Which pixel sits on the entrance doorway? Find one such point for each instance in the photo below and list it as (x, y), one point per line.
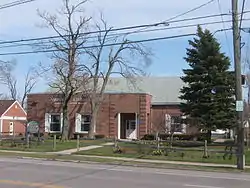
(131, 129)
(127, 126)
(11, 128)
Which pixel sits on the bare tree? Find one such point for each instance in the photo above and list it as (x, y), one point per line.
(159, 123)
(4, 96)
(10, 81)
(29, 84)
(67, 55)
(112, 55)
(7, 78)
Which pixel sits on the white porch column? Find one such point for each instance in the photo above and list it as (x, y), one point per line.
(119, 125)
(137, 126)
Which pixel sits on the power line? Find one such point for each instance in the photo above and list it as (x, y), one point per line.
(223, 22)
(122, 28)
(96, 46)
(15, 3)
(184, 13)
(191, 10)
(126, 33)
(242, 10)
(87, 33)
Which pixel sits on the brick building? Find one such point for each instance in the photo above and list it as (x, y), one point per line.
(126, 111)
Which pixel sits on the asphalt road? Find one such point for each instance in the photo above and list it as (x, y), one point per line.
(23, 173)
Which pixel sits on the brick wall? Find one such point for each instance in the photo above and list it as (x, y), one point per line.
(107, 121)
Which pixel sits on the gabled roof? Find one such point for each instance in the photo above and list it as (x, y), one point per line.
(4, 105)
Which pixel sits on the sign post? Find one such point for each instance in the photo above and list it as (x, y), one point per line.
(33, 128)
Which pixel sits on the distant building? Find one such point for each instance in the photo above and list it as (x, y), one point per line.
(12, 118)
(128, 111)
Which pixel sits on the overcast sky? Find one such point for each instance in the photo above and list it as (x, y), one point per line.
(22, 22)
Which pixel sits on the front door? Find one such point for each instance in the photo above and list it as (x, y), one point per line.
(131, 129)
(11, 128)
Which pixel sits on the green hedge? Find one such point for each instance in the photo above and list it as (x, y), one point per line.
(195, 137)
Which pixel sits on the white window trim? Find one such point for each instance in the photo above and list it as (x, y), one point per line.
(78, 122)
(169, 124)
(61, 123)
(81, 123)
(13, 118)
(1, 125)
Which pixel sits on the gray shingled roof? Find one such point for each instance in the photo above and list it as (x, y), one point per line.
(165, 90)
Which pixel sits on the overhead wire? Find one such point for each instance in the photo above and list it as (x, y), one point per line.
(95, 46)
(240, 28)
(242, 13)
(123, 33)
(225, 33)
(139, 26)
(116, 29)
(187, 12)
(166, 23)
(107, 45)
(15, 3)
(191, 10)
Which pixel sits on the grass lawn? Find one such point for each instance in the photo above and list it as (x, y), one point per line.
(47, 145)
(190, 154)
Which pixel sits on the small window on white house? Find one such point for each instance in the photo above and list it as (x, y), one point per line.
(85, 123)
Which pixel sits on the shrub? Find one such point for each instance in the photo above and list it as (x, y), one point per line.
(58, 136)
(157, 152)
(187, 144)
(193, 137)
(99, 136)
(148, 137)
(36, 134)
(117, 150)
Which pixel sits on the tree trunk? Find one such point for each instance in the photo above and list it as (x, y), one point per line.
(93, 123)
(171, 139)
(209, 136)
(65, 126)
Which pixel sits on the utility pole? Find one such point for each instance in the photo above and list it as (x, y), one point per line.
(239, 101)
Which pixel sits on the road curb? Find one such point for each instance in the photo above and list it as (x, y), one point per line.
(143, 165)
(59, 160)
(135, 162)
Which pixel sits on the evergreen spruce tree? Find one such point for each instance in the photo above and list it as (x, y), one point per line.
(209, 91)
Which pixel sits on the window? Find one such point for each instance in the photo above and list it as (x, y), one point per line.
(131, 124)
(55, 123)
(176, 124)
(85, 123)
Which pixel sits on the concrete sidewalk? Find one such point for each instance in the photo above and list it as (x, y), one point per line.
(71, 151)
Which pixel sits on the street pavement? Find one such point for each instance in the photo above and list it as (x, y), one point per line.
(23, 173)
